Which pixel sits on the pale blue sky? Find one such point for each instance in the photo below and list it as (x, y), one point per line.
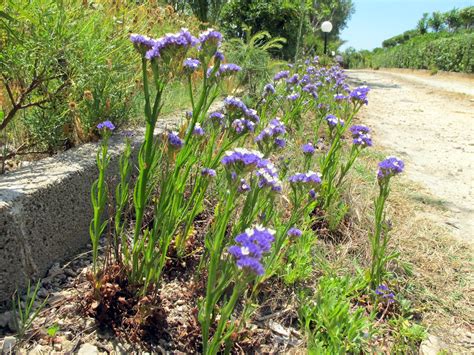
(377, 20)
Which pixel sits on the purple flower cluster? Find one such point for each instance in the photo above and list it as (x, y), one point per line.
(219, 56)
(359, 94)
(250, 247)
(210, 40)
(390, 167)
(241, 159)
(361, 136)
(142, 43)
(268, 176)
(308, 149)
(232, 103)
(281, 75)
(228, 69)
(340, 97)
(198, 130)
(268, 89)
(294, 232)
(333, 121)
(208, 172)
(191, 64)
(310, 178)
(252, 115)
(106, 125)
(174, 140)
(217, 118)
(243, 186)
(242, 125)
(293, 79)
(274, 129)
(384, 292)
(170, 44)
(293, 97)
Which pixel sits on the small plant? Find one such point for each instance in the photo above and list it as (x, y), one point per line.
(25, 312)
(333, 324)
(99, 194)
(379, 239)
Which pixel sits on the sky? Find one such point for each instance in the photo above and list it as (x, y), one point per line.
(376, 20)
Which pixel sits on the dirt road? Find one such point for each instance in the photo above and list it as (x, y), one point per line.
(429, 123)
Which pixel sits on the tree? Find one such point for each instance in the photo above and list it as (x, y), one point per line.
(436, 21)
(453, 20)
(204, 10)
(466, 16)
(279, 17)
(422, 25)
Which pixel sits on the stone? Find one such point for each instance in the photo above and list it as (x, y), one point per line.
(8, 345)
(88, 349)
(431, 345)
(7, 321)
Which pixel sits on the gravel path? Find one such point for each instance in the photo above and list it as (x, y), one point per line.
(428, 122)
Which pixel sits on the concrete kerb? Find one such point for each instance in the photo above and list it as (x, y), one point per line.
(45, 209)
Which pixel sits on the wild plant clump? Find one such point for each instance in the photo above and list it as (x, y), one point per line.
(263, 207)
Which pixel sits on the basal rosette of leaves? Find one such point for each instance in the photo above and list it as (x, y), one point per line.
(263, 208)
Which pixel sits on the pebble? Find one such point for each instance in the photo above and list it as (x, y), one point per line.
(88, 349)
(431, 346)
(7, 321)
(8, 345)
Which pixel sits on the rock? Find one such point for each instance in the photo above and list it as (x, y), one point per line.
(431, 346)
(88, 349)
(55, 270)
(7, 321)
(8, 345)
(43, 293)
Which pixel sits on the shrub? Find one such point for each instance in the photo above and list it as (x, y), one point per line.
(443, 51)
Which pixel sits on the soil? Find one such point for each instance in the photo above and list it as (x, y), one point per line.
(428, 121)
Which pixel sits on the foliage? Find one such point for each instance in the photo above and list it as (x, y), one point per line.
(333, 324)
(65, 67)
(279, 18)
(253, 55)
(25, 312)
(441, 51)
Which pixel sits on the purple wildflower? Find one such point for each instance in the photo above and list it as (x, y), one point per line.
(228, 69)
(219, 56)
(241, 125)
(217, 118)
(198, 131)
(243, 186)
(252, 115)
(361, 136)
(268, 89)
(293, 97)
(390, 167)
(384, 292)
(294, 232)
(280, 142)
(190, 65)
(308, 149)
(250, 248)
(170, 44)
(359, 94)
(208, 172)
(174, 140)
(232, 104)
(210, 41)
(293, 80)
(142, 43)
(241, 159)
(340, 97)
(333, 121)
(312, 194)
(106, 125)
(310, 178)
(281, 75)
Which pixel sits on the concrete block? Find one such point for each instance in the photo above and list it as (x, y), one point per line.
(45, 209)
